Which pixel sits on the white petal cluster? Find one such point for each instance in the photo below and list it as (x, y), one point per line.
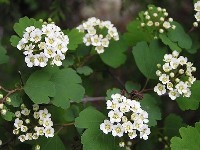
(30, 129)
(155, 19)
(197, 15)
(43, 45)
(175, 76)
(94, 33)
(126, 117)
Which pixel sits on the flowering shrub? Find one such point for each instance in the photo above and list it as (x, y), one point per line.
(94, 88)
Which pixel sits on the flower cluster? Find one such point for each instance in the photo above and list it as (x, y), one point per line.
(175, 76)
(155, 19)
(197, 15)
(43, 45)
(94, 29)
(24, 123)
(125, 117)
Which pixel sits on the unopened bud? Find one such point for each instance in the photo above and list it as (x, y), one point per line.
(8, 100)
(165, 138)
(161, 30)
(195, 24)
(27, 121)
(1, 106)
(3, 112)
(40, 20)
(1, 96)
(181, 71)
(158, 65)
(177, 80)
(49, 20)
(37, 147)
(171, 74)
(160, 139)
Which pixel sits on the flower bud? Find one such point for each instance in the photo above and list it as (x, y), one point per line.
(121, 144)
(1, 142)
(23, 106)
(161, 30)
(155, 14)
(177, 80)
(194, 69)
(142, 24)
(195, 24)
(49, 20)
(162, 19)
(1, 96)
(129, 143)
(158, 65)
(3, 112)
(181, 71)
(171, 74)
(173, 27)
(165, 138)
(1, 106)
(15, 131)
(160, 139)
(27, 121)
(170, 19)
(8, 100)
(37, 147)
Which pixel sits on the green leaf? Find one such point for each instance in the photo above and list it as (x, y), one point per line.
(193, 101)
(172, 124)
(173, 46)
(54, 143)
(114, 55)
(16, 100)
(147, 57)
(75, 38)
(14, 40)
(39, 87)
(112, 91)
(93, 137)
(85, 70)
(132, 86)
(189, 139)
(94, 118)
(135, 34)
(22, 24)
(149, 104)
(3, 57)
(68, 88)
(8, 116)
(69, 61)
(180, 36)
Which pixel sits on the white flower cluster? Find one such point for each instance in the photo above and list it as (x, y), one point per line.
(25, 128)
(94, 28)
(175, 76)
(43, 45)
(197, 15)
(125, 117)
(155, 18)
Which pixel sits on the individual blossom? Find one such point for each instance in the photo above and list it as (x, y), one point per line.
(175, 76)
(126, 118)
(28, 128)
(95, 35)
(44, 45)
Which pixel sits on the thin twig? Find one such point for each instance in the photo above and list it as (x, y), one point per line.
(117, 79)
(66, 124)
(92, 99)
(9, 92)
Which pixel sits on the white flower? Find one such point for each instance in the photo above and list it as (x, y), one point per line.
(197, 16)
(197, 6)
(39, 130)
(58, 59)
(118, 130)
(167, 67)
(22, 138)
(167, 58)
(121, 144)
(99, 49)
(166, 25)
(115, 116)
(44, 114)
(18, 114)
(30, 59)
(175, 54)
(87, 40)
(24, 128)
(182, 87)
(35, 107)
(96, 40)
(114, 104)
(132, 134)
(128, 126)
(160, 89)
(47, 122)
(49, 132)
(173, 94)
(106, 126)
(170, 86)
(182, 60)
(18, 123)
(174, 63)
(164, 78)
(25, 112)
(145, 132)
(1, 142)
(49, 52)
